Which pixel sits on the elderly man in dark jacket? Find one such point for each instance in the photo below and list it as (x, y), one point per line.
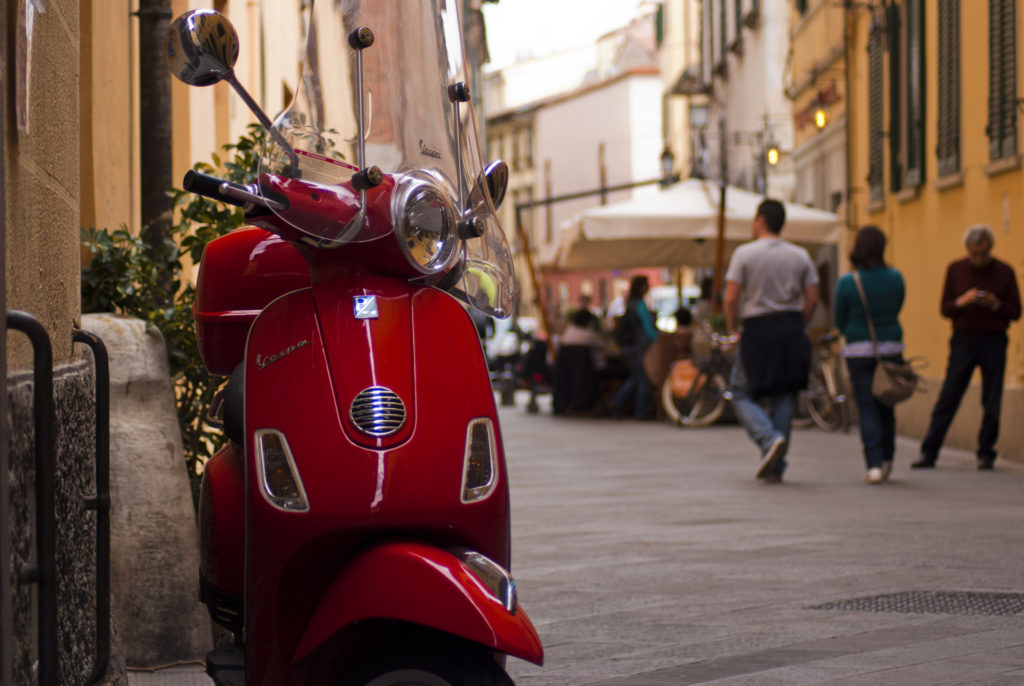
(980, 296)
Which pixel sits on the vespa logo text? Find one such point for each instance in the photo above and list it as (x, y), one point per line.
(264, 362)
(428, 151)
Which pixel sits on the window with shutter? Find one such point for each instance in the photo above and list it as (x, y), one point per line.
(913, 113)
(723, 26)
(1002, 79)
(947, 147)
(659, 25)
(876, 116)
(707, 48)
(897, 97)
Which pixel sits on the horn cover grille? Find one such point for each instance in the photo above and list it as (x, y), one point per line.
(377, 411)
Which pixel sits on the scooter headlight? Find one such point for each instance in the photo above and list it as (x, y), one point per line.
(279, 479)
(425, 224)
(480, 469)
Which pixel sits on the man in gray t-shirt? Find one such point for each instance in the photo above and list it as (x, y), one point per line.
(771, 290)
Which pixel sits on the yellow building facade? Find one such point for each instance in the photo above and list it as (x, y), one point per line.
(933, 123)
(203, 119)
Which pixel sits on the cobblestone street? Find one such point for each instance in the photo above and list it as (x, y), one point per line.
(650, 556)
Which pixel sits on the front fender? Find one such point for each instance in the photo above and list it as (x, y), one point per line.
(421, 584)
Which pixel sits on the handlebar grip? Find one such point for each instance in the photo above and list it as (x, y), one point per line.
(209, 186)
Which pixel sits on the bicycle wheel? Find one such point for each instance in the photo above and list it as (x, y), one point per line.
(826, 412)
(702, 406)
(801, 415)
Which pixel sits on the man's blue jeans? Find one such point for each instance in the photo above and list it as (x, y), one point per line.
(765, 419)
(877, 421)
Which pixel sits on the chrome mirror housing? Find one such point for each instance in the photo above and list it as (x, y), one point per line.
(496, 174)
(202, 48)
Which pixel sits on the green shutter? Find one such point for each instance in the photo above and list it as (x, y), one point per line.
(1002, 79)
(893, 24)
(915, 75)
(876, 115)
(947, 147)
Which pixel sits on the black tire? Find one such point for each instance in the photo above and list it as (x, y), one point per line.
(702, 406)
(826, 412)
(432, 663)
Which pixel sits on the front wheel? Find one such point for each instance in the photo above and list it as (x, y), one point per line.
(828, 409)
(702, 405)
(432, 664)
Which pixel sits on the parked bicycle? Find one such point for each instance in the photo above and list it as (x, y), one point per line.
(696, 392)
(828, 397)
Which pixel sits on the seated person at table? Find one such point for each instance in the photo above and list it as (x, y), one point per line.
(579, 366)
(669, 347)
(581, 331)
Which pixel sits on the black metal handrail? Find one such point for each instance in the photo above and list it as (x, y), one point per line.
(43, 571)
(101, 503)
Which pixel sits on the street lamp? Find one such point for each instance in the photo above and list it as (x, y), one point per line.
(766, 153)
(820, 117)
(668, 164)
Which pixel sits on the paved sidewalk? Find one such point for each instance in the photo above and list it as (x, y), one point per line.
(650, 556)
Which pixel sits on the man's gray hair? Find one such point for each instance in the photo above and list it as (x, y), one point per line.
(978, 233)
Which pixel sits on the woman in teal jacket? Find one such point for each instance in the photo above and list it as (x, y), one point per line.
(636, 387)
(884, 289)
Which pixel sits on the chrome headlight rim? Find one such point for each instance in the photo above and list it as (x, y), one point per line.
(423, 192)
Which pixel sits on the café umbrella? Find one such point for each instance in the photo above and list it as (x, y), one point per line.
(678, 226)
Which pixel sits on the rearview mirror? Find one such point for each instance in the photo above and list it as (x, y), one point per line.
(202, 48)
(496, 174)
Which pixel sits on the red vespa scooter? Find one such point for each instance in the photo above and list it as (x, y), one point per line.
(355, 529)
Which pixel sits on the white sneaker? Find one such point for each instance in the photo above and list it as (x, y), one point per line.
(886, 470)
(770, 464)
(874, 476)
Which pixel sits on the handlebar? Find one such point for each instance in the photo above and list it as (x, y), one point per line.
(723, 340)
(225, 191)
(827, 338)
(719, 340)
(210, 187)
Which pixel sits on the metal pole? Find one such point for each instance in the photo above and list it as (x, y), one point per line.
(43, 571)
(101, 503)
(525, 242)
(674, 178)
(155, 129)
(6, 628)
(718, 276)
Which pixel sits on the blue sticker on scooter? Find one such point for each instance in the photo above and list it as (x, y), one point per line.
(365, 306)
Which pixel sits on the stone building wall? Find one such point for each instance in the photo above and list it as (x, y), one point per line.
(73, 385)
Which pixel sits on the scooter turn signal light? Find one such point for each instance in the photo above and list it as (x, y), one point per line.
(479, 475)
(279, 479)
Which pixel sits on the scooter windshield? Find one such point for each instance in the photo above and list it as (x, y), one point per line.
(389, 98)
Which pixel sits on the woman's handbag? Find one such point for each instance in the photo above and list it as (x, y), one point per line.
(893, 382)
